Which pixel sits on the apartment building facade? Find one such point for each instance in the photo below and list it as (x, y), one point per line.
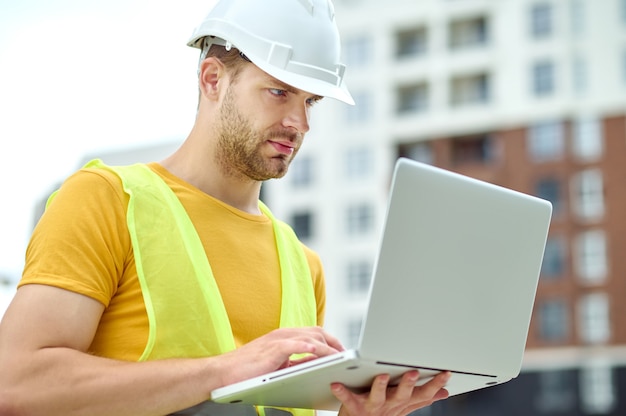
(527, 94)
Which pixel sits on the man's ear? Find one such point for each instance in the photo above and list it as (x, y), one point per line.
(212, 77)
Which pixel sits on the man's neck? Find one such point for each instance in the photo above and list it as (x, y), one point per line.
(200, 171)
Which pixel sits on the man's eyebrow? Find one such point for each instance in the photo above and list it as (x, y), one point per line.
(289, 88)
(280, 84)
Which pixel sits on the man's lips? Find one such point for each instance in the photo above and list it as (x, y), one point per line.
(285, 148)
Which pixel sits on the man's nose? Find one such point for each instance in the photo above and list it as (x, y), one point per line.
(298, 118)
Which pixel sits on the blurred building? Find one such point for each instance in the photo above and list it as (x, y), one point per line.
(528, 94)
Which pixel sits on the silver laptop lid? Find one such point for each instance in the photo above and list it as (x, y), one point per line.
(457, 273)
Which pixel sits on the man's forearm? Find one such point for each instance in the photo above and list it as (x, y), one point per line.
(62, 381)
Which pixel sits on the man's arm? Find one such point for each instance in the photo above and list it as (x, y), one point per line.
(47, 369)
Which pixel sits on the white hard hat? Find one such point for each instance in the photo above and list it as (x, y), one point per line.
(295, 41)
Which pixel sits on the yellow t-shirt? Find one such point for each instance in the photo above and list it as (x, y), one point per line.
(82, 244)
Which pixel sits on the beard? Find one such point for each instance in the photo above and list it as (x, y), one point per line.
(240, 146)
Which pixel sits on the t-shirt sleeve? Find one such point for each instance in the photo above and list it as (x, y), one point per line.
(81, 242)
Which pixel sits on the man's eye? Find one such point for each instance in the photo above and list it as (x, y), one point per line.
(278, 92)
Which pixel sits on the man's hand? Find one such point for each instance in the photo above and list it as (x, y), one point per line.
(273, 351)
(400, 400)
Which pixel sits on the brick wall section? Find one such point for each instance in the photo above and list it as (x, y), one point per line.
(514, 169)
(615, 194)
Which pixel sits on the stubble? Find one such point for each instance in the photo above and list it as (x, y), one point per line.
(239, 150)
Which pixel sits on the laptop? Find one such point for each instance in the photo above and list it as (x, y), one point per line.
(452, 289)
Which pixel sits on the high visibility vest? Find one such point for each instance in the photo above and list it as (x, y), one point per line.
(186, 314)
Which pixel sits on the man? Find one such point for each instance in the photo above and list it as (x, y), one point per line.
(146, 287)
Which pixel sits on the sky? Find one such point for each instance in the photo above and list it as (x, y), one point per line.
(80, 77)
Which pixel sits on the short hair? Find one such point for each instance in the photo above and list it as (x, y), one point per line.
(232, 58)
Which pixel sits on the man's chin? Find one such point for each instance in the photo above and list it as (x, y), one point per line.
(279, 168)
(274, 173)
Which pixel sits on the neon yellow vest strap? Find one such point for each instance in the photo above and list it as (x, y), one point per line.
(180, 293)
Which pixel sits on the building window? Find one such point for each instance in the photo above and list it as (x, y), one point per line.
(359, 163)
(579, 76)
(553, 320)
(354, 332)
(577, 10)
(597, 389)
(557, 391)
(551, 189)
(546, 141)
(624, 65)
(360, 219)
(541, 20)
(591, 258)
(468, 33)
(359, 277)
(302, 224)
(412, 98)
(420, 151)
(358, 51)
(362, 111)
(588, 139)
(553, 259)
(588, 195)
(468, 90)
(594, 324)
(543, 78)
(473, 149)
(301, 171)
(411, 42)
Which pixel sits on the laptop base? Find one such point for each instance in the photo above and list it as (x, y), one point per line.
(311, 389)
